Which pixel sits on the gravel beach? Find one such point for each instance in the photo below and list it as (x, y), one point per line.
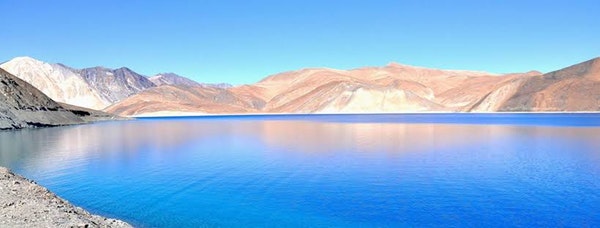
(23, 203)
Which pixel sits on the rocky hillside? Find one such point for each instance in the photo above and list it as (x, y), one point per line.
(575, 88)
(115, 85)
(57, 81)
(94, 88)
(22, 105)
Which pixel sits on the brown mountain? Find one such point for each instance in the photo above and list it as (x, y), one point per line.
(169, 99)
(392, 88)
(575, 88)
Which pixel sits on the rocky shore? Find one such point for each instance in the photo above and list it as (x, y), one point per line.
(23, 203)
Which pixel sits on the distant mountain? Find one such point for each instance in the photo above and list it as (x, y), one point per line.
(218, 85)
(114, 85)
(173, 99)
(22, 105)
(174, 79)
(391, 88)
(57, 81)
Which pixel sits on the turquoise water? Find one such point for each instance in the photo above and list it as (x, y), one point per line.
(482, 170)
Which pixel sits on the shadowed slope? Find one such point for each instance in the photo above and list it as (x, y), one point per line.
(22, 105)
(575, 88)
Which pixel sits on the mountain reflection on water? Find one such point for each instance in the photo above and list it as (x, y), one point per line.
(322, 171)
(121, 139)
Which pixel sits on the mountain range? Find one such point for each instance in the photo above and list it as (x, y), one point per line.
(57, 81)
(94, 88)
(391, 88)
(22, 106)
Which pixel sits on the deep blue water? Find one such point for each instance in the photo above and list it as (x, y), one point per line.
(415, 170)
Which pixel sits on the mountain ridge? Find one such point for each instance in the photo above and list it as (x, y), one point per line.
(56, 80)
(22, 105)
(79, 87)
(94, 87)
(393, 87)
(114, 85)
(405, 88)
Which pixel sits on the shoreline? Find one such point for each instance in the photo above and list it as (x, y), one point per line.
(198, 114)
(24, 203)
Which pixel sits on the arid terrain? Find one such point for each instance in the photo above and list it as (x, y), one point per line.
(394, 88)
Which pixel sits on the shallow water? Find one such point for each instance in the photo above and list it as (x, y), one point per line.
(324, 170)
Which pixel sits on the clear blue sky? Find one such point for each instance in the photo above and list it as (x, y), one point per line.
(243, 41)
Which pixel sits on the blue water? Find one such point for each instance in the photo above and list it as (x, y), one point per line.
(415, 170)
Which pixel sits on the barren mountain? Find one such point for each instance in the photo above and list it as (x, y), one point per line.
(94, 88)
(115, 85)
(22, 105)
(58, 82)
(177, 80)
(575, 88)
(392, 88)
(172, 79)
(181, 99)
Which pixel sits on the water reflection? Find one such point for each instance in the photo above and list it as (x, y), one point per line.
(53, 148)
(340, 173)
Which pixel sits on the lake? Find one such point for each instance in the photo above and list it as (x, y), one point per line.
(415, 170)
